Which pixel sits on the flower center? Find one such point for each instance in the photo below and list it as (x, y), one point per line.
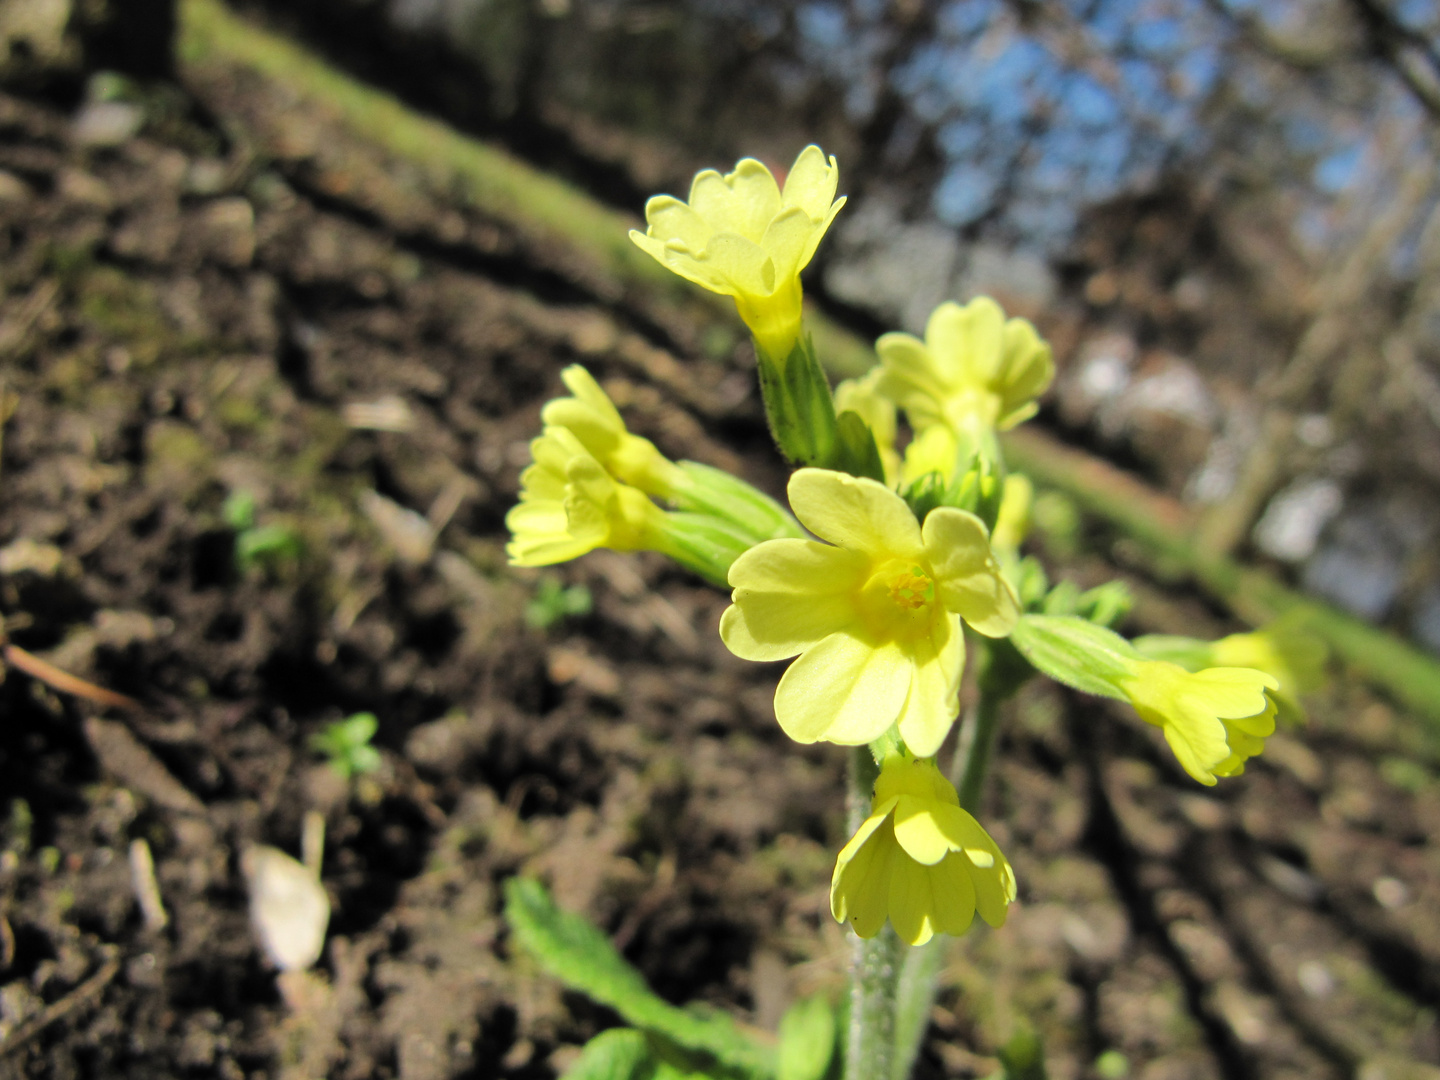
(911, 588)
(897, 600)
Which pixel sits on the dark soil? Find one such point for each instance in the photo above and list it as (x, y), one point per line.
(183, 319)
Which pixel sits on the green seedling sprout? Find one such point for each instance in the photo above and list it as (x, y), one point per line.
(263, 546)
(347, 744)
(553, 602)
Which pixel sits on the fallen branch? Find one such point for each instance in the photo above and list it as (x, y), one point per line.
(58, 1010)
(63, 681)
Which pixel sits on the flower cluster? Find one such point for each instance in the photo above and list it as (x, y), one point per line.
(903, 552)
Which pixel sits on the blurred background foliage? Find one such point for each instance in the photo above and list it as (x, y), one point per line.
(1223, 212)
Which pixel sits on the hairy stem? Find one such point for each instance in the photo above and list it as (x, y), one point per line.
(981, 742)
(920, 967)
(874, 962)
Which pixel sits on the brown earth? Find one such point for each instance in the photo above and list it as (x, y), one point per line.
(184, 317)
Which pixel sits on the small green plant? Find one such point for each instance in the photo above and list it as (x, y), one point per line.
(347, 744)
(262, 546)
(666, 1042)
(553, 602)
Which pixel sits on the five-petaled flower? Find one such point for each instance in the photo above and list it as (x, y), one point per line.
(976, 371)
(741, 235)
(1213, 719)
(874, 615)
(919, 860)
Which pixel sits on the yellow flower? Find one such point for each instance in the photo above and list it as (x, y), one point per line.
(934, 449)
(570, 505)
(874, 615)
(1013, 522)
(860, 397)
(593, 419)
(1213, 719)
(974, 371)
(1284, 649)
(1294, 657)
(741, 236)
(919, 860)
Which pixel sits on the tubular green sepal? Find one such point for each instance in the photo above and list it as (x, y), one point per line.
(704, 544)
(857, 453)
(1076, 652)
(715, 492)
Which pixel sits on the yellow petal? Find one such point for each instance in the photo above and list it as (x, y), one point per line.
(742, 201)
(1198, 745)
(954, 892)
(818, 232)
(967, 343)
(994, 889)
(860, 887)
(918, 832)
(844, 690)
(785, 242)
(790, 594)
(934, 702)
(741, 262)
(540, 535)
(967, 577)
(811, 183)
(1229, 693)
(910, 377)
(854, 512)
(671, 220)
(1027, 372)
(912, 901)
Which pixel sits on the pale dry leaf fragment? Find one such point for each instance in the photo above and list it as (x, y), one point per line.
(147, 889)
(389, 413)
(24, 554)
(412, 537)
(288, 907)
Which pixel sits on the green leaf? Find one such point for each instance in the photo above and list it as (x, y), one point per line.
(267, 544)
(617, 1054)
(577, 953)
(1023, 1056)
(1076, 652)
(807, 1040)
(239, 510)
